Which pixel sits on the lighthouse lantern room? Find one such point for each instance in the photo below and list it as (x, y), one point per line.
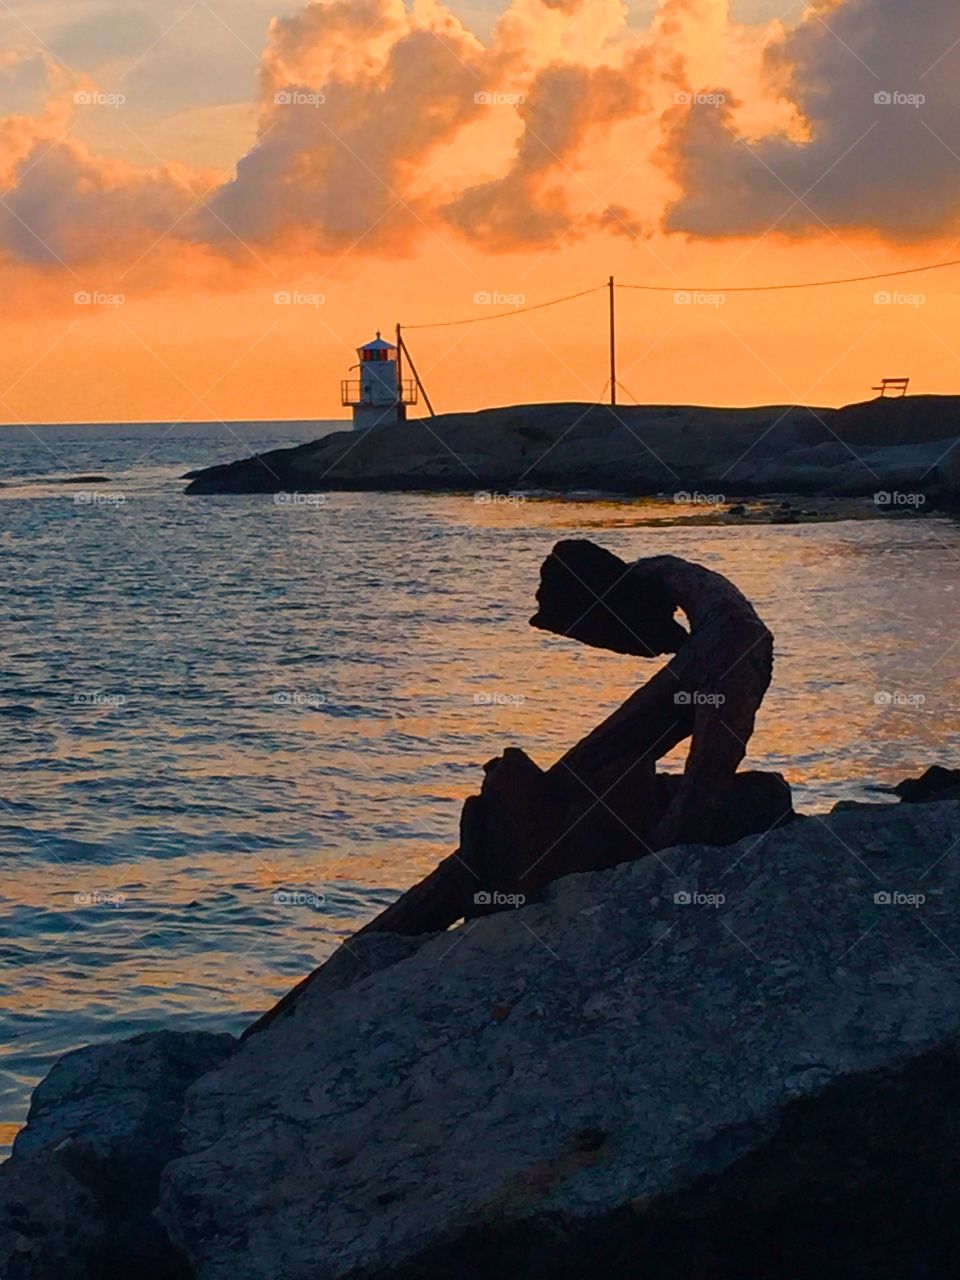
(378, 397)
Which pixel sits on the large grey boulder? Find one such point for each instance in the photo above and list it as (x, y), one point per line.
(120, 1101)
(76, 1198)
(77, 1194)
(728, 1063)
(358, 958)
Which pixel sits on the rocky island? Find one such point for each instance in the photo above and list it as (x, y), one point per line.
(640, 1023)
(897, 445)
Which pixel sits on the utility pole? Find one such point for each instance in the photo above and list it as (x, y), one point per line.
(613, 347)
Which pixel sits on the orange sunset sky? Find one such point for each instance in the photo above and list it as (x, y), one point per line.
(182, 164)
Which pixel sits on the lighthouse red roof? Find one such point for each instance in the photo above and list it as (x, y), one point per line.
(378, 344)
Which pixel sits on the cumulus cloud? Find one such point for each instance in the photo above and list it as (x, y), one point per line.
(399, 88)
(39, 87)
(566, 106)
(876, 97)
(68, 207)
(357, 98)
(61, 205)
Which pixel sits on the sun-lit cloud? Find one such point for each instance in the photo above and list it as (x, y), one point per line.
(565, 107)
(356, 97)
(873, 86)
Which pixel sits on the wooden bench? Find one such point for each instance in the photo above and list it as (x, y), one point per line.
(892, 384)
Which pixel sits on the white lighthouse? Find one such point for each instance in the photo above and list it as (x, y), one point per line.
(378, 397)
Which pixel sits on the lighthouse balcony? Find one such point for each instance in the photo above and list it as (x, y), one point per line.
(357, 395)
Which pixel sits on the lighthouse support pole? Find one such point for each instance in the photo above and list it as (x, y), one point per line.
(399, 373)
(403, 349)
(613, 346)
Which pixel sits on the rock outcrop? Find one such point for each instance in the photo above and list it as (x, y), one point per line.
(719, 1063)
(50, 1224)
(76, 1196)
(897, 446)
(936, 783)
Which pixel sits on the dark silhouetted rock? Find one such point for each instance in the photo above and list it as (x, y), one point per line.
(51, 1227)
(756, 803)
(120, 1101)
(935, 784)
(101, 1127)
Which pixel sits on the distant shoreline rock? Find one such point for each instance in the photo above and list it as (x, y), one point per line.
(900, 452)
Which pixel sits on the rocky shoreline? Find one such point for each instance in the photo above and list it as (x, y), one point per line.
(901, 449)
(728, 1062)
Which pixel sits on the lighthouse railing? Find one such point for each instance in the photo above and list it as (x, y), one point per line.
(351, 393)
